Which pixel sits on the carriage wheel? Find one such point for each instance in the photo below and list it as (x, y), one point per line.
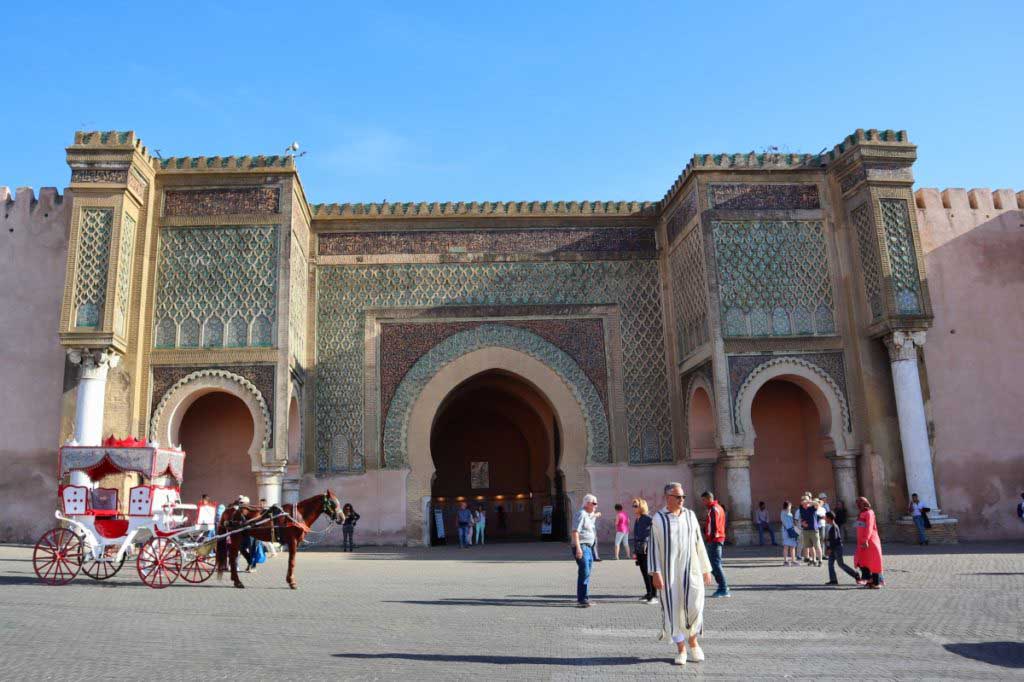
(198, 569)
(107, 566)
(159, 563)
(57, 557)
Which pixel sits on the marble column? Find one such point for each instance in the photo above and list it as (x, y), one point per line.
(844, 473)
(93, 366)
(703, 477)
(917, 456)
(268, 485)
(736, 462)
(290, 489)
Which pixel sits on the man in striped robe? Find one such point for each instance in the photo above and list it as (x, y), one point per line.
(679, 568)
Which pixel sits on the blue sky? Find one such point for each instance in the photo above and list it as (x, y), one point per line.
(514, 101)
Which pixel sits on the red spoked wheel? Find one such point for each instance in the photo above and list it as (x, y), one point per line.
(106, 566)
(198, 569)
(57, 557)
(159, 563)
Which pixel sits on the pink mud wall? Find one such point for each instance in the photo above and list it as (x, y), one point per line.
(378, 497)
(974, 355)
(621, 483)
(33, 253)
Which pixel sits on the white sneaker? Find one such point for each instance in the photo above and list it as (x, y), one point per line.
(680, 659)
(696, 654)
(652, 600)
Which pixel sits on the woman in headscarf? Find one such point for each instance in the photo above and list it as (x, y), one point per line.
(868, 557)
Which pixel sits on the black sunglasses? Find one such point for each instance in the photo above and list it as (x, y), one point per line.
(678, 497)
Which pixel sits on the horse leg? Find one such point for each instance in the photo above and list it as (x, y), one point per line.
(233, 560)
(293, 545)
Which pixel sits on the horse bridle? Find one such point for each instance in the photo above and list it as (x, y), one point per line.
(330, 508)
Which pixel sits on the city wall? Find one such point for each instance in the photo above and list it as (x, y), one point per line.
(33, 253)
(974, 254)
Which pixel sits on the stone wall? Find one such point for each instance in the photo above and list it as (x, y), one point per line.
(974, 258)
(33, 251)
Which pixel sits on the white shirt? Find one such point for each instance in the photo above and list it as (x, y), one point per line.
(915, 509)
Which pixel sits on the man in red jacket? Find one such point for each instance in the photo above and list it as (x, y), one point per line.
(714, 539)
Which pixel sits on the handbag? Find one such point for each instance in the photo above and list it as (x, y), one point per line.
(792, 534)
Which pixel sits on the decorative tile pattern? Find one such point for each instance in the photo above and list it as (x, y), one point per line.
(228, 274)
(489, 335)
(830, 365)
(345, 292)
(689, 294)
(199, 202)
(899, 243)
(126, 249)
(261, 376)
(867, 244)
(93, 261)
(851, 180)
(137, 183)
(297, 288)
(771, 275)
(587, 240)
(681, 217)
(115, 175)
(403, 343)
(752, 197)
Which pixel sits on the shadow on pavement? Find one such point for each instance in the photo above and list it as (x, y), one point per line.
(1003, 654)
(575, 662)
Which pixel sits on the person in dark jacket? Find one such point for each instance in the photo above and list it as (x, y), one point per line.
(641, 536)
(348, 528)
(834, 549)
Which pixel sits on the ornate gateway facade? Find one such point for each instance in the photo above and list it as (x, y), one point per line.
(756, 332)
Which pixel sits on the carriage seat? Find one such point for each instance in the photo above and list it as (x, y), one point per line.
(104, 502)
(111, 528)
(74, 499)
(140, 501)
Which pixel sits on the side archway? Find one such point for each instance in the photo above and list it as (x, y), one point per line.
(833, 409)
(166, 421)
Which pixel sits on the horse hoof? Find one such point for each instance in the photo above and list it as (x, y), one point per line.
(293, 586)
(240, 586)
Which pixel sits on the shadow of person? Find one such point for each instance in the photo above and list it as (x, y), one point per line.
(505, 660)
(1003, 654)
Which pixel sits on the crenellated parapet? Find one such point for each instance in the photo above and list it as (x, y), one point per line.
(24, 203)
(226, 163)
(484, 208)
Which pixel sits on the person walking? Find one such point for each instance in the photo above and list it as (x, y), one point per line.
(820, 511)
(348, 527)
(463, 519)
(481, 524)
(641, 538)
(789, 535)
(680, 569)
(810, 540)
(583, 537)
(868, 557)
(714, 538)
(621, 531)
(834, 541)
(917, 514)
(763, 524)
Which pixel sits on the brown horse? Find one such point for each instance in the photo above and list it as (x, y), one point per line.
(270, 525)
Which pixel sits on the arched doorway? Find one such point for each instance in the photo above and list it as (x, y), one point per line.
(703, 450)
(790, 446)
(493, 443)
(216, 431)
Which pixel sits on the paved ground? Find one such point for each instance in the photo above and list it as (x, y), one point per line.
(506, 612)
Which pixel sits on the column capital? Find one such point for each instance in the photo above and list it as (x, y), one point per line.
(845, 459)
(903, 345)
(703, 463)
(94, 362)
(735, 458)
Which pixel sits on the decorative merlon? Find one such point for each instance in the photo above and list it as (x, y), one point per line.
(225, 162)
(112, 140)
(903, 345)
(484, 208)
(755, 161)
(977, 199)
(24, 198)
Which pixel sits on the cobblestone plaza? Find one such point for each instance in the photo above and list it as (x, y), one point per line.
(506, 612)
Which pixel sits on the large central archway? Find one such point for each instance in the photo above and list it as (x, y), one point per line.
(493, 445)
(215, 432)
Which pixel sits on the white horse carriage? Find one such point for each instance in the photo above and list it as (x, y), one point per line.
(124, 499)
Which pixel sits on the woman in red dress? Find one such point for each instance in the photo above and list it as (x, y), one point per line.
(868, 557)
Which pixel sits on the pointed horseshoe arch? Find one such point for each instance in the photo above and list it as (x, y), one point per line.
(833, 409)
(175, 403)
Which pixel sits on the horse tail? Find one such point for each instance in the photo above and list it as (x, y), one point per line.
(222, 557)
